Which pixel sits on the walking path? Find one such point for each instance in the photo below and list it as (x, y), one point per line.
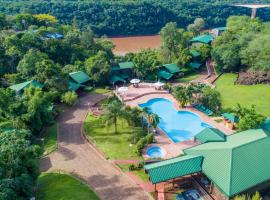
(76, 155)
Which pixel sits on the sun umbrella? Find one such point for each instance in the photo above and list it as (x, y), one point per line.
(135, 81)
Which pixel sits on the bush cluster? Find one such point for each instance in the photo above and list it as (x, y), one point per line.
(133, 167)
(143, 142)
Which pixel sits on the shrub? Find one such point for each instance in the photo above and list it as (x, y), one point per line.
(143, 142)
(140, 165)
(131, 167)
(149, 138)
(69, 98)
(88, 89)
(211, 99)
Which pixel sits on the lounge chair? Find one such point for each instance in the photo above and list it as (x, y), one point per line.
(203, 109)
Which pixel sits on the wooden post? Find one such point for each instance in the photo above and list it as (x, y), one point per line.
(211, 188)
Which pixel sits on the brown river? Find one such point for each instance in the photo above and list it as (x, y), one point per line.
(135, 44)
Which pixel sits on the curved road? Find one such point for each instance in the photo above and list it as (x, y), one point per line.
(75, 155)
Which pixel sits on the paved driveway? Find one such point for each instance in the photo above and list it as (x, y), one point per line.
(75, 155)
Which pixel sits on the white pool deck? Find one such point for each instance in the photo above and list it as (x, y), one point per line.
(135, 96)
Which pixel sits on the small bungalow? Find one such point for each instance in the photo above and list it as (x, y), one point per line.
(168, 71)
(218, 31)
(195, 62)
(77, 79)
(19, 88)
(223, 166)
(202, 39)
(121, 72)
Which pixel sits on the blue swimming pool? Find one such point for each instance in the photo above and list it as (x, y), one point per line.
(178, 125)
(155, 152)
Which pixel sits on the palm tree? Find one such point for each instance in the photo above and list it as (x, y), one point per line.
(113, 110)
(154, 120)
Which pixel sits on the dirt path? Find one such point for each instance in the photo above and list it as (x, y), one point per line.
(75, 155)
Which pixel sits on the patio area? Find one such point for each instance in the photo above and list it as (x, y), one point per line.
(133, 93)
(170, 148)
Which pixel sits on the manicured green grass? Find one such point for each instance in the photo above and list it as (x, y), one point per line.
(48, 140)
(63, 187)
(114, 145)
(100, 91)
(188, 77)
(245, 95)
(142, 175)
(139, 173)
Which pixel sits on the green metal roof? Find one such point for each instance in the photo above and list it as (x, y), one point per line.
(21, 86)
(164, 74)
(266, 125)
(124, 76)
(79, 77)
(194, 65)
(231, 117)
(126, 65)
(115, 78)
(210, 135)
(205, 39)
(195, 53)
(123, 65)
(237, 164)
(172, 68)
(173, 168)
(72, 86)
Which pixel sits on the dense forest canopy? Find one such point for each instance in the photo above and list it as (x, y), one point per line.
(126, 17)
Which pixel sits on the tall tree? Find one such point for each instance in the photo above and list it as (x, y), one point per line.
(113, 110)
(27, 66)
(197, 26)
(98, 67)
(170, 40)
(18, 165)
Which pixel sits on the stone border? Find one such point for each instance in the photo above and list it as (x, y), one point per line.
(145, 94)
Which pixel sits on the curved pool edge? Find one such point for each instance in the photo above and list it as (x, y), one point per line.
(146, 156)
(179, 110)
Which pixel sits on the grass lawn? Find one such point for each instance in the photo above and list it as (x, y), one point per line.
(63, 187)
(139, 173)
(188, 77)
(114, 145)
(101, 90)
(49, 137)
(245, 95)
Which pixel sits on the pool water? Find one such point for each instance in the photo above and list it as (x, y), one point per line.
(155, 152)
(178, 125)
